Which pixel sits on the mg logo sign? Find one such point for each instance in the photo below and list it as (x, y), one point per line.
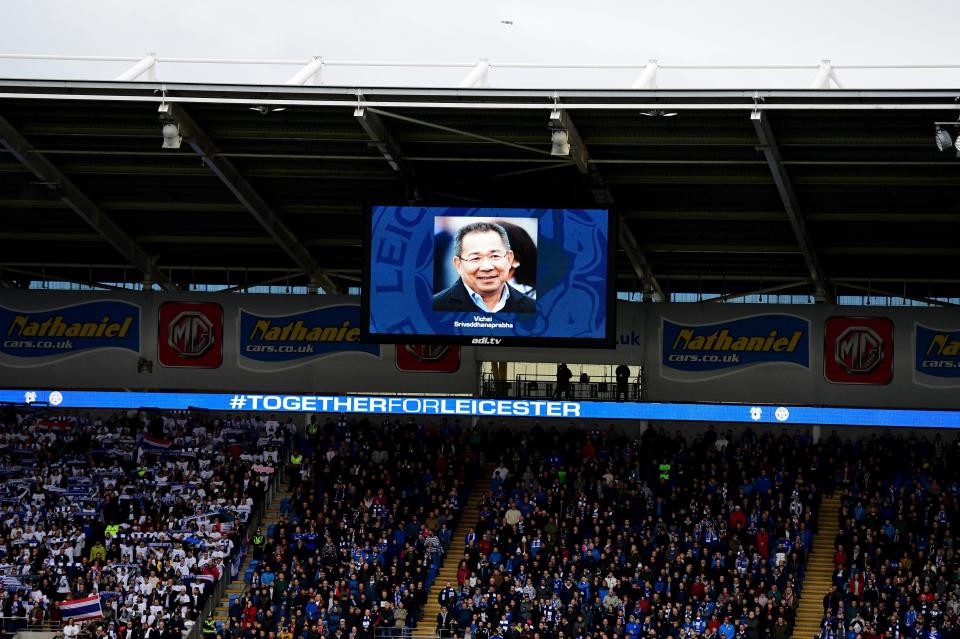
(858, 350)
(428, 358)
(190, 335)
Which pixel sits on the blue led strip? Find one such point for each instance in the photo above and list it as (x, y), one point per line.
(467, 407)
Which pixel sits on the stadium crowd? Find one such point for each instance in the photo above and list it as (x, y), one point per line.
(586, 535)
(361, 543)
(897, 573)
(581, 533)
(144, 510)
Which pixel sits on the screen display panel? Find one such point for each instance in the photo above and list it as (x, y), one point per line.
(490, 276)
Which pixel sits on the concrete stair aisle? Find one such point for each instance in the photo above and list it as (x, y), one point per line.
(238, 586)
(819, 574)
(426, 629)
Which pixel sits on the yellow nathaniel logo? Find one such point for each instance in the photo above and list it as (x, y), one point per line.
(267, 330)
(331, 329)
(69, 329)
(943, 345)
(759, 339)
(938, 352)
(25, 325)
(688, 339)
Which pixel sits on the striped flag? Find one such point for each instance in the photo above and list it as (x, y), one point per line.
(11, 583)
(154, 443)
(81, 609)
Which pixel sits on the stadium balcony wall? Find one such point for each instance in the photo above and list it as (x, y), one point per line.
(816, 355)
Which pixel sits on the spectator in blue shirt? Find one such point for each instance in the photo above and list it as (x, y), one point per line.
(727, 629)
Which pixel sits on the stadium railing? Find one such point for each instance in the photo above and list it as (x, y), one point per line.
(543, 387)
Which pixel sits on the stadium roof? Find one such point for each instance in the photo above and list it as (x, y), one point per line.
(793, 190)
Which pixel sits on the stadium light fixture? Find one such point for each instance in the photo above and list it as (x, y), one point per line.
(943, 139)
(171, 136)
(947, 136)
(560, 140)
(264, 110)
(559, 136)
(169, 127)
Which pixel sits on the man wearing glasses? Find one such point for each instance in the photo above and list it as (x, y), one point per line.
(483, 259)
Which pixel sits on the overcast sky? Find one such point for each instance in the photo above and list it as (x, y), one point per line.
(556, 31)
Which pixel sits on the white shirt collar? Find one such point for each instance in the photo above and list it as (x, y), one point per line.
(504, 296)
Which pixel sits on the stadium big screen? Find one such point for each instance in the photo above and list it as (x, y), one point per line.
(492, 276)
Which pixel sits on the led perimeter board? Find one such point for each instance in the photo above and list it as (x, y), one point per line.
(490, 276)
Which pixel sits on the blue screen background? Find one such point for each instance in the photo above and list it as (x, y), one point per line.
(572, 254)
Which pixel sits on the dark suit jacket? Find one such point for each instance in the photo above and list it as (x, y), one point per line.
(457, 299)
(443, 623)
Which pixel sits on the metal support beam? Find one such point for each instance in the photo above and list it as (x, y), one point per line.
(346, 273)
(42, 277)
(203, 146)
(240, 288)
(381, 137)
(478, 78)
(760, 291)
(580, 156)
(147, 64)
(311, 72)
(83, 206)
(638, 261)
(450, 129)
(648, 77)
(869, 290)
(825, 73)
(560, 119)
(771, 152)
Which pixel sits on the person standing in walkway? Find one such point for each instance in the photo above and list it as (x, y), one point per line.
(564, 375)
(623, 381)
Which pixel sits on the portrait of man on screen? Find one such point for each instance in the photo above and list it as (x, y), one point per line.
(483, 260)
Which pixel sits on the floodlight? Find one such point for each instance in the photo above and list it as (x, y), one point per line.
(171, 136)
(943, 139)
(264, 110)
(560, 140)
